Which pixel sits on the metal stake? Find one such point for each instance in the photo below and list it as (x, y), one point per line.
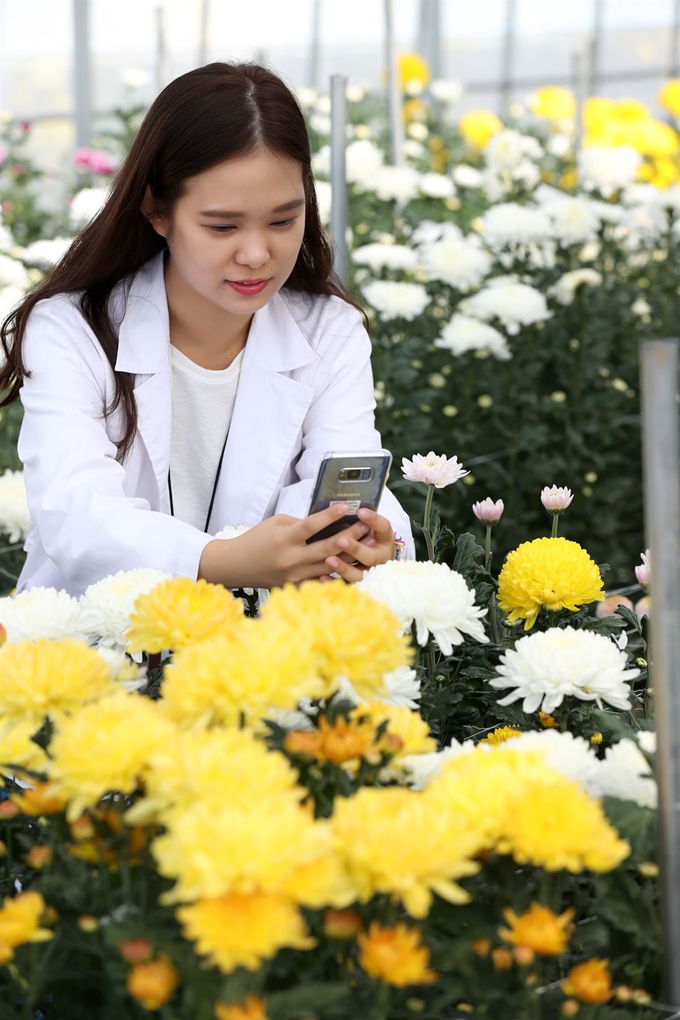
(81, 70)
(579, 71)
(508, 55)
(203, 33)
(315, 46)
(339, 173)
(661, 470)
(595, 46)
(393, 89)
(430, 35)
(675, 41)
(161, 68)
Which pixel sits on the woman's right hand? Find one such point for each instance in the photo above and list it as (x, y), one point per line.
(275, 551)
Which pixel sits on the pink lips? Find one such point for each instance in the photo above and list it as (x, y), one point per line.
(248, 287)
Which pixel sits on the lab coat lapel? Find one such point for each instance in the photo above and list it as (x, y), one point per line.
(144, 351)
(268, 415)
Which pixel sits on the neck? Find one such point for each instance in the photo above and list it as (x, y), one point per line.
(198, 328)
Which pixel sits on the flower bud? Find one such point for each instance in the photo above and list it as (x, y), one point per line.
(650, 869)
(39, 857)
(556, 500)
(152, 983)
(341, 924)
(481, 947)
(3, 635)
(8, 810)
(502, 958)
(487, 511)
(643, 607)
(596, 739)
(569, 1007)
(88, 923)
(609, 605)
(524, 955)
(136, 950)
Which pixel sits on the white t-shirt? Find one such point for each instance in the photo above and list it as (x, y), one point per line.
(202, 406)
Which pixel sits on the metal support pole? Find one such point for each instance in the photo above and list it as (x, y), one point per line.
(430, 35)
(393, 89)
(161, 67)
(508, 55)
(203, 33)
(81, 70)
(315, 46)
(674, 68)
(661, 469)
(339, 173)
(595, 47)
(579, 71)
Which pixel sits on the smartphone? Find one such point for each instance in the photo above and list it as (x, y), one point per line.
(357, 479)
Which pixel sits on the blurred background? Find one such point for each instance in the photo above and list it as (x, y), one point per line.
(500, 49)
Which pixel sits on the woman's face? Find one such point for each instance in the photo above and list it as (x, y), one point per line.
(235, 233)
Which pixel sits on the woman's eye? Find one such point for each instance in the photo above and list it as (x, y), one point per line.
(222, 230)
(284, 223)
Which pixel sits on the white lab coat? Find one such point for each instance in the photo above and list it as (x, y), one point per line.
(306, 387)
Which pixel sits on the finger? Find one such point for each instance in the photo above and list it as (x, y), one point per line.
(310, 526)
(329, 546)
(367, 555)
(380, 525)
(346, 571)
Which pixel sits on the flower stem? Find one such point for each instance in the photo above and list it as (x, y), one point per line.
(492, 601)
(382, 998)
(426, 523)
(556, 521)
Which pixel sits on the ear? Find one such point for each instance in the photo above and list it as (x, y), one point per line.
(148, 210)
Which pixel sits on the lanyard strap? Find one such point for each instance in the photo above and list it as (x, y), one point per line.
(214, 488)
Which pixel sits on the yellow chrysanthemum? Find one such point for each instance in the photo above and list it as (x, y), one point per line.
(218, 764)
(252, 1009)
(266, 664)
(20, 920)
(553, 102)
(669, 97)
(660, 172)
(153, 983)
(395, 955)
(349, 633)
(272, 845)
(344, 742)
(39, 800)
(479, 126)
(104, 747)
(413, 68)
(398, 841)
(550, 572)
(18, 748)
(180, 612)
(409, 726)
(651, 138)
(539, 929)
(589, 981)
(500, 735)
(556, 826)
(39, 678)
(243, 930)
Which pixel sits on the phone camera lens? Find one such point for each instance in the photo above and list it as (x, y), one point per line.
(353, 474)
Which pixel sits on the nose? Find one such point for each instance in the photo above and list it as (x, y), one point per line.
(253, 251)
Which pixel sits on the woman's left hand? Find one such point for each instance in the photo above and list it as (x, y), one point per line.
(374, 548)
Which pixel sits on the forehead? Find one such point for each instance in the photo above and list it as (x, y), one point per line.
(257, 181)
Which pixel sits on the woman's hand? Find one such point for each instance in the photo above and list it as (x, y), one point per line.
(275, 551)
(359, 554)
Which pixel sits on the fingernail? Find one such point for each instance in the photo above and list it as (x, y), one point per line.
(342, 509)
(332, 563)
(343, 543)
(363, 513)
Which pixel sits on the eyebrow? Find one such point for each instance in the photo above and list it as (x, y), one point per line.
(223, 214)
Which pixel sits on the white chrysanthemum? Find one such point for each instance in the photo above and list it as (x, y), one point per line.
(321, 123)
(515, 304)
(545, 668)
(572, 756)
(466, 176)
(15, 518)
(446, 91)
(10, 298)
(641, 307)
(85, 205)
(462, 264)
(402, 686)
(564, 291)
(398, 183)
(13, 273)
(626, 774)
(7, 242)
(42, 613)
(363, 160)
(647, 741)
(324, 198)
(321, 161)
(430, 595)
(559, 145)
(437, 185)
(574, 220)
(46, 254)
(608, 212)
(608, 170)
(464, 333)
(509, 148)
(642, 226)
(510, 224)
(108, 604)
(420, 769)
(427, 232)
(394, 300)
(385, 256)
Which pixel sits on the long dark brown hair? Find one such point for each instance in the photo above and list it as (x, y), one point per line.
(212, 114)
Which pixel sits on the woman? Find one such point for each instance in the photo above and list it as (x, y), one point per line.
(190, 359)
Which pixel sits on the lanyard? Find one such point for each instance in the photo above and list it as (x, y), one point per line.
(214, 488)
